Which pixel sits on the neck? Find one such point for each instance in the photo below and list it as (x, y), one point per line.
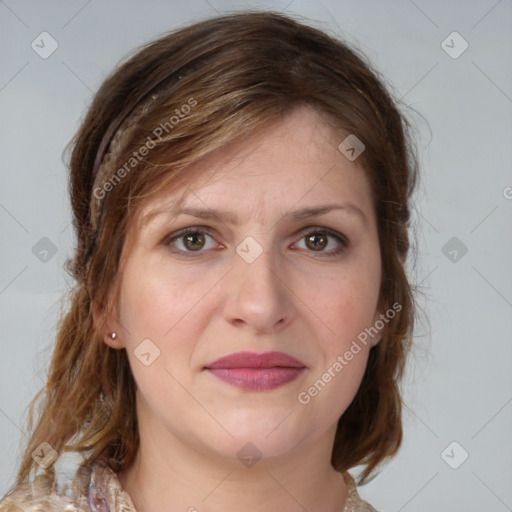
(168, 474)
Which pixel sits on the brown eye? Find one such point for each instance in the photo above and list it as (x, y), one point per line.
(194, 241)
(316, 241)
(324, 242)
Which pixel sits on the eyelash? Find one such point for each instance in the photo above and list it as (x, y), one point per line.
(343, 241)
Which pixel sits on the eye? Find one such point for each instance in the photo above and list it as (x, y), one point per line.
(318, 239)
(190, 240)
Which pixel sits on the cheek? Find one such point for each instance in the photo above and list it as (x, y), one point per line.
(347, 308)
(155, 300)
(155, 305)
(345, 302)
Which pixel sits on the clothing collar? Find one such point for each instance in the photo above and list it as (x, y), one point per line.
(106, 494)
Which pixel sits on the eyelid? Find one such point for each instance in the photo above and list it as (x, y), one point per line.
(321, 229)
(171, 237)
(312, 229)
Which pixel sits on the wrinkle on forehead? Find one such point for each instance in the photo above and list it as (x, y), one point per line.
(313, 130)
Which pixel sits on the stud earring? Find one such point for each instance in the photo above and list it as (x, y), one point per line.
(113, 335)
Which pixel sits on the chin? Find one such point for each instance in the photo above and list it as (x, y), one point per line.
(255, 447)
(256, 434)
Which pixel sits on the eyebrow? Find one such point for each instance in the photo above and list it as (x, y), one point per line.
(294, 215)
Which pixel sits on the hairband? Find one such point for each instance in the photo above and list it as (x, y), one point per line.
(117, 130)
(114, 126)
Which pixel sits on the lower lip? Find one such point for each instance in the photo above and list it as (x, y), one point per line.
(257, 379)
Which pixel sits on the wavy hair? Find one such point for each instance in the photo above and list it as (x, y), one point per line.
(245, 71)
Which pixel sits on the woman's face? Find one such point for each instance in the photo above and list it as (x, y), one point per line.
(258, 274)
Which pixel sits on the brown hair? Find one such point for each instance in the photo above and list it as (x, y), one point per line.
(243, 71)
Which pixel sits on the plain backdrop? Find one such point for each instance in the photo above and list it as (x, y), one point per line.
(458, 390)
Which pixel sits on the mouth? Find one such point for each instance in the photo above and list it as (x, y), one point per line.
(256, 372)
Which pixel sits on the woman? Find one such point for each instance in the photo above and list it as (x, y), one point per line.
(241, 316)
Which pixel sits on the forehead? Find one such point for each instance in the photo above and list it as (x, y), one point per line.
(295, 161)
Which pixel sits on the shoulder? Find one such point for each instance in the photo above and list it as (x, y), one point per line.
(44, 494)
(354, 503)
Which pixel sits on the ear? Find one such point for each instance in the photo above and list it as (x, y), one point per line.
(378, 324)
(105, 324)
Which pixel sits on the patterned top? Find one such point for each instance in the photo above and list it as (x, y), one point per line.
(96, 488)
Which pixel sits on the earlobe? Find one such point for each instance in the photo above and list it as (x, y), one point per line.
(107, 327)
(112, 340)
(376, 339)
(378, 325)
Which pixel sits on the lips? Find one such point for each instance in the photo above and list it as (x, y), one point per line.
(256, 372)
(253, 360)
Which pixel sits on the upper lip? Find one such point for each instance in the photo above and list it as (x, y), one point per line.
(254, 360)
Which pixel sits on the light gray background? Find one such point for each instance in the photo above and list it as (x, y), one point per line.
(459, 384)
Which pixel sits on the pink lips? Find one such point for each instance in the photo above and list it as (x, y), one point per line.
(257, 372)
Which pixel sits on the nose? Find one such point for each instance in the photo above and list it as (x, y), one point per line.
(258, 296)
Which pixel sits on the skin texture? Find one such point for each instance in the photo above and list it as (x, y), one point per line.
(291, 299)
